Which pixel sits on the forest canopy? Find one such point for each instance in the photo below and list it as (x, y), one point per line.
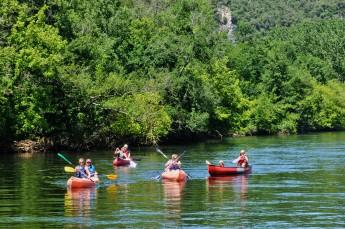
(95, 73)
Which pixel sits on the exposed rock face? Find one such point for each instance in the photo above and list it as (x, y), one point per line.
(224, 18)
(30, 146)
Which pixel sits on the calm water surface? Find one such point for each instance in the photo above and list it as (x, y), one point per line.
(297, 181)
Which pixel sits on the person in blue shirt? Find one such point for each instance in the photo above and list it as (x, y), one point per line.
(80, 171)
(90, 169)
(173, 164)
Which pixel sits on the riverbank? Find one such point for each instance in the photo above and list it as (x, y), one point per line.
(45, 145)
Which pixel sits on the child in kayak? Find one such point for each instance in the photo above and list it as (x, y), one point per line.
(242, 160)
(80, 169)
(90, 169)
(173, 164)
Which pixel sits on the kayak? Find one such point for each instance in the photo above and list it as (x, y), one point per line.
(75, 182)
(121, 162)
(174, 175)
(218, 171)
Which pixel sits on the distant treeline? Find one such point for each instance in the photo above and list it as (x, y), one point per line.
(253, 17)
(89, 73)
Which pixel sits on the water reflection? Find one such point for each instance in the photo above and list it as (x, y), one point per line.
(80, 202)
(237, 184)
(172, 195)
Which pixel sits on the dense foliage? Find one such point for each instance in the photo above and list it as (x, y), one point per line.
(85, 73)
(259, 16)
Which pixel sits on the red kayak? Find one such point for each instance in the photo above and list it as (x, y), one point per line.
(121, 162)
(219, 171)
(75, 182)
(174, 175)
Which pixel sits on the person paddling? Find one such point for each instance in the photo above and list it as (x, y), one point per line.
(90, 169)
(126, 152)
(118, 153)
(242, 160)
(173, 164)
(80, 169)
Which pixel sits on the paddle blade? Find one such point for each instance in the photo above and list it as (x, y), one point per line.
(69, 169)
(160, 151)
(156, 177)
(207, 162)
(111, 176)
(63, 157)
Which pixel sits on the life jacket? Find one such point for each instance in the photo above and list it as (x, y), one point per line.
(242, 161)
(120, 154)
(80, 173)
(125, 151)
(174, 165)
(92, 170)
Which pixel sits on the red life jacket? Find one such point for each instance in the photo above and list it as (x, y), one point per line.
(242, 160)
(125, 151)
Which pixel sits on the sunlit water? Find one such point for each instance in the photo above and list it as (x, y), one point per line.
(297, 181)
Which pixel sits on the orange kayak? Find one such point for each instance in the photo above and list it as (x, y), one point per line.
(174, 175)
(75, 182)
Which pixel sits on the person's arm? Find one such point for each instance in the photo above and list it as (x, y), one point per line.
(117, 152)
(236, 160)
(168, 163)
(178, 163)
(88, 174)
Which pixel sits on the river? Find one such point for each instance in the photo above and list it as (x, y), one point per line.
(297, 181)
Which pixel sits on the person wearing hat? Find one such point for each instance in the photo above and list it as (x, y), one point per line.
(80, 169)
(90, 169)
(126, 152)
(242, 160)
(173, 164)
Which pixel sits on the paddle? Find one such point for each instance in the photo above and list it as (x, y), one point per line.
(160, 151)
(63, 157)
(156, 177)
(69, 169)
(111, 176)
